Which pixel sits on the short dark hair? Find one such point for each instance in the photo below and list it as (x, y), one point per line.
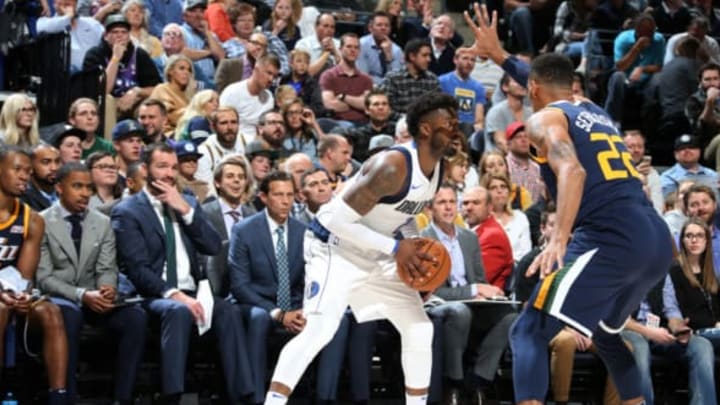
(553, 69)
(261, 119)
(240, 9)
(379, 13)
(375, 91)
(445, 184)
(708, 66)
(425, 105)
(414, 45)
(545, 214)
(155, 147)
(346, 35)
(95, 157)
(133, 168)
(70, 167)
(701, 21)
(696, 189)
(276, 175)
(6, 150)
(153, 102)
(687, 47)
(269, 58)
(309, 172)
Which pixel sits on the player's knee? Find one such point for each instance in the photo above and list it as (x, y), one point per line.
(417, 336)
(606, 341)
(49, 316)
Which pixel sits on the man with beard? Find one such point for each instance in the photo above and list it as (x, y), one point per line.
(152, 115)
(688, 167)
(344, 87)
(377, 107)
(159, 234)
(223, 142)
(469, 93)
(523, 171)
(407, 84)
(334, 153)
(40, 192)
(702, 109)
(271, 127)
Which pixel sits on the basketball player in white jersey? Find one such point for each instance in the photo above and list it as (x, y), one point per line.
(353, 246)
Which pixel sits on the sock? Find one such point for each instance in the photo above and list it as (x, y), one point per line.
(57, 396)
(414, 399)
(274, 398)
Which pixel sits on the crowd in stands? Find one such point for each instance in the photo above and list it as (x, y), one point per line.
(224, 126)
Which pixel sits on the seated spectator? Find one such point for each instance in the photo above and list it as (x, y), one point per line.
(501, 115)
(305, 85)
(68, 141)
(252, 97)
(635, 143)
(671, 16)
(514, 222)
(531, 23)
(468, 92)
(442, 32)
(130, 74)
(203, 48)
(344, 86)
(322, 47)
(638, 54)
(494, 163)
(218, 20)
(83, 115)
(173, 43)
(377, 108)
(283, 22)
(304, 132)
(378, 53)
(698, 29)
(707, 9)
(40, 191)
(703, 112)
(523, 171)
(188, 156)
(456, 168)
(334, 154)
(572, 22)
(134, 183)
(85, 32)
(315, 187)
(19, 121)
(223, 142)
(23, 234)
(404, 29)
(127, 138)
(284, 94)
(177, 90)
(104, 177)
(203, 104)
(701, 201)
(78, 270)
(152, 115)
(235, 69)
(271, 131)
(404, 85)
(688, 167)
(261, 159)
(296, 165)
(138, 17)
(163, 13)
(675, 217)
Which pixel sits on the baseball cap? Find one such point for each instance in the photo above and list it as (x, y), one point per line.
(191, 4)
(115, 20)
(186, 149)
(513, 129)
(65, 131)
(686, 141)
(198, 129)
(256, 148)
(127, 128)
(380, 142)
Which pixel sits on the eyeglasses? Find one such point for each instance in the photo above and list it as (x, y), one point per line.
(29, 110)
(692, 236)
(103, 166)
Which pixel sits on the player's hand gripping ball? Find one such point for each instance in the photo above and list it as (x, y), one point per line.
(437, 271)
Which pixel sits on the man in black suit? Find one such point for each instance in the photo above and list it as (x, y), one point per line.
(40, 192)
(267, 273)
(159, 234)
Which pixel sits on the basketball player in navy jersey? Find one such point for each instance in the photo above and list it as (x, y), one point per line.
(355, 242)
(21, 231)
(620, 246)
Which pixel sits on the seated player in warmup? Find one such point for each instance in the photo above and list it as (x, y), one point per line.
(356, 243)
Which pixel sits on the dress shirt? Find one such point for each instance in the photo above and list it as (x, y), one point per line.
(229, 220)
(273, 226)
(184, 277)
(671, 177)
(79, 292)
(369, 59)
(458, 277)
(526, 174)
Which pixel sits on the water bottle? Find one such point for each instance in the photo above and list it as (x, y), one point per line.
(9, 399)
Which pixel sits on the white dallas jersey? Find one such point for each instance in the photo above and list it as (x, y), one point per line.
(392, 212)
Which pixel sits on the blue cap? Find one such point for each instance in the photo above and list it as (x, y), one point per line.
(127, 128)
(186, 149)
(198, 129)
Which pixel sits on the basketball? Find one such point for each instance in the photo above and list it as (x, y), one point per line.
(437, 272)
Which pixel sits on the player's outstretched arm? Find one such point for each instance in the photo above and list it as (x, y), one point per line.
(548, 131)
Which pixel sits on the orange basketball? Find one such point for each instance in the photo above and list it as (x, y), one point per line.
(437, 271)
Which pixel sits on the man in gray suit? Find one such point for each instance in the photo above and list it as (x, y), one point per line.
(487, 324)
(78, 270)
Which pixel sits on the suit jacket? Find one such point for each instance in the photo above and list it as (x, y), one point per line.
(496, 252)
(229, 71)
(141, 242)
(34, 198)
(474, 271)
(252, 265)
(216, 268)
(61, 271)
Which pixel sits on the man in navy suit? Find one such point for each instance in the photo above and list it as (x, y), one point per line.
(159, 234)
(267, 273)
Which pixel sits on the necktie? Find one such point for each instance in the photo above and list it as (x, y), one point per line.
(235, 216)
(76, 230)
(283, 294)
(171, 268)
(383, 62)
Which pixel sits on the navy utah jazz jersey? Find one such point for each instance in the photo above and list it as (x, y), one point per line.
(611, 176)
(13, 233)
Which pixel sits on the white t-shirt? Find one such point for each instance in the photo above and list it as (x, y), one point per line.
(249, 107)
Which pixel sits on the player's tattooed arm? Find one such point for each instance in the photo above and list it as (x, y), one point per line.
(381, 176)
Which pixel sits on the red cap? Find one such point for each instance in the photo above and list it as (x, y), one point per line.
(513, 129)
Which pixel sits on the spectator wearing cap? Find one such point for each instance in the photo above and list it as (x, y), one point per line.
(379, 112)
(334, 154)
(127, 138)
(261, 159)
(152, 116)
(224, 142)
(469, 93)
(688, 167)
(188, 156)
(504, 113)
(202, 104)
(198, 130)
(40, 192)
(85, 32)
(68, 142)
(163, 12)
(83, 114)
(379, 143)
(523, 171)
(129, 71)
(203, 46)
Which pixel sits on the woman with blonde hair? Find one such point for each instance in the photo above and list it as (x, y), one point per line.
(513, 221)
(283, 22)
(493, 162)
(178, 89)
(203, 104)
(19, 121)
(138, 16)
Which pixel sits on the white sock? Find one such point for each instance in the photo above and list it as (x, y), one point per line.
(414, 399)
(274, 398)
